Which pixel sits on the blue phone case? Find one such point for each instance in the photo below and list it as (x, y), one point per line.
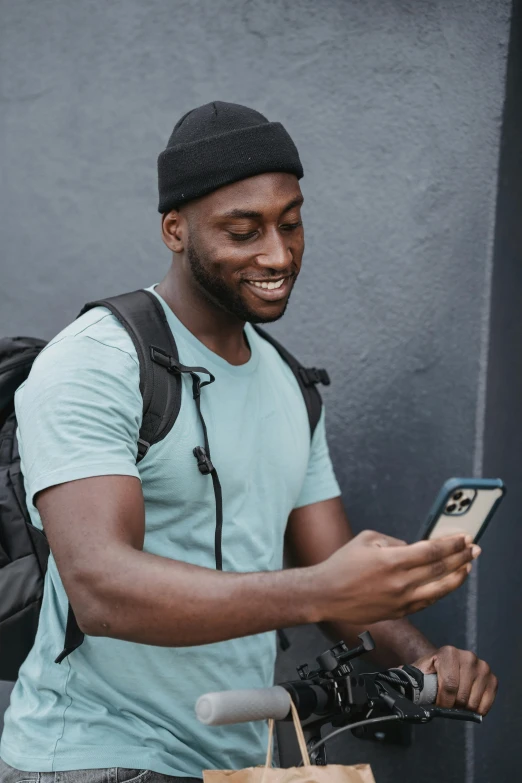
(445, 494)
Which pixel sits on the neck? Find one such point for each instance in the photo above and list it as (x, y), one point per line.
(216, 329)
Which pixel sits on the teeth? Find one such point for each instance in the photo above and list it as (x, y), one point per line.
(267, 286)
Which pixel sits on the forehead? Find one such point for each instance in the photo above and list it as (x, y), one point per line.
(264, 193)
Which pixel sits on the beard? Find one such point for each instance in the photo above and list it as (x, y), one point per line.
(219, 293)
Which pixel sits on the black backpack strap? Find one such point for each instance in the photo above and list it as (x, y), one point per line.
(142, 315)
(73, 636)
(307, 378)
(201, 453)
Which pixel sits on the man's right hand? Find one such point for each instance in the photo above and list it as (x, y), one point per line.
(375, 577)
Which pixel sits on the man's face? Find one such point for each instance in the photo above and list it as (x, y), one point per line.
(245, 245)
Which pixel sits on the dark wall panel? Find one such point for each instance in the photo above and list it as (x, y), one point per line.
(500, 596)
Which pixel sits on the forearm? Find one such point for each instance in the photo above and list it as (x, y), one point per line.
(396, 641)
(314, 534)
(153, 600)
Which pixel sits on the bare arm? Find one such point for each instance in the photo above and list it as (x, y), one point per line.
(314, 532)
(95, 528)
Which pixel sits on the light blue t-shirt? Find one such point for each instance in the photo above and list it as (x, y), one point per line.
(114, 703)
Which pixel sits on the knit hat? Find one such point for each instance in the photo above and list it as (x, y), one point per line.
(217, 144)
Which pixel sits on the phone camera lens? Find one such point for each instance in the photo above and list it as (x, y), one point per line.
(465, 503)
(457, 495)
(451, 508)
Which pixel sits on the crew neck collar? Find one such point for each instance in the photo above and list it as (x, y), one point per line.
(179, 330)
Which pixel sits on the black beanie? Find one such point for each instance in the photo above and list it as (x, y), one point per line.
(217, 144)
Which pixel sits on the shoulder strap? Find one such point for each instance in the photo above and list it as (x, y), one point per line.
(307, 378)
(143, 316)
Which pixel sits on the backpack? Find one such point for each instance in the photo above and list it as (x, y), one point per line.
(24, 549)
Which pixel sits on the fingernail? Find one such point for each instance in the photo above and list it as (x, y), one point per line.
(475, 551)
(469, 540)
(469, 567)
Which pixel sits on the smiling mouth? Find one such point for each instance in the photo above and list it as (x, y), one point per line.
(268, 285)
(271, 290)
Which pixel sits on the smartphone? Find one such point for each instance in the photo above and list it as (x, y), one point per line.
(464, 505)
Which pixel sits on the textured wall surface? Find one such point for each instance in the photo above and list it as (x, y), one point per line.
(396, 110)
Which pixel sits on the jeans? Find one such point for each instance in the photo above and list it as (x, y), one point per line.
(112, 775)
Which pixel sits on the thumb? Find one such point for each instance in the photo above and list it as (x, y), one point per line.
(383, 540)
(427, 665)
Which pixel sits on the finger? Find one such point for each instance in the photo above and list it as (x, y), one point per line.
(424, 552)
(428, 594)
(469, 677)
(426, 665)
(477, 693)
(489, 696)
(448, 673)
(483, 680)
(440, 568)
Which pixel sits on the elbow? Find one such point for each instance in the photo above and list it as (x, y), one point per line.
(90, 621)
(90, 617)
(91, 605)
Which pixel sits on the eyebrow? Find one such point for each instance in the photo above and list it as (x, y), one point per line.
(248, 213)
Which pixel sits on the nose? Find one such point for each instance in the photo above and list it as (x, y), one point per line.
(276, 253)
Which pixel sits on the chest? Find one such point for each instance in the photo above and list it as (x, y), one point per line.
(259, 441)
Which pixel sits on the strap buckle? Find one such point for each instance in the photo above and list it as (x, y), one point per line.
(204, 463)
(311, 375)
(160, 357)
(164, 359)
(174, 366)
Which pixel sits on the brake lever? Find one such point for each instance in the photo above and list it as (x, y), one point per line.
(402, 707)
(416, 713)
(441, 712)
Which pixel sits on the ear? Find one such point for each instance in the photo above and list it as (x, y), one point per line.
(173, 230)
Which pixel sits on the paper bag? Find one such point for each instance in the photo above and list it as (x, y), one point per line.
(332, 773)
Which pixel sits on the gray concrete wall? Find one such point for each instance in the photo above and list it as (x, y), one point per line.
(396, 110)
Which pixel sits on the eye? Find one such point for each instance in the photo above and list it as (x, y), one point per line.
(242, 237)
(291, 226)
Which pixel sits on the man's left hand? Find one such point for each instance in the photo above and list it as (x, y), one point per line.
(465, 682)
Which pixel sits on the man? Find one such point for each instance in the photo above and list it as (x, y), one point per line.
(133, 550)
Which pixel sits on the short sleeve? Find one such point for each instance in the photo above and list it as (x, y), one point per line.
(78, 413)
(320, 482)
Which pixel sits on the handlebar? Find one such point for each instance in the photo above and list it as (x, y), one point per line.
(225, 707)
(334, 694)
